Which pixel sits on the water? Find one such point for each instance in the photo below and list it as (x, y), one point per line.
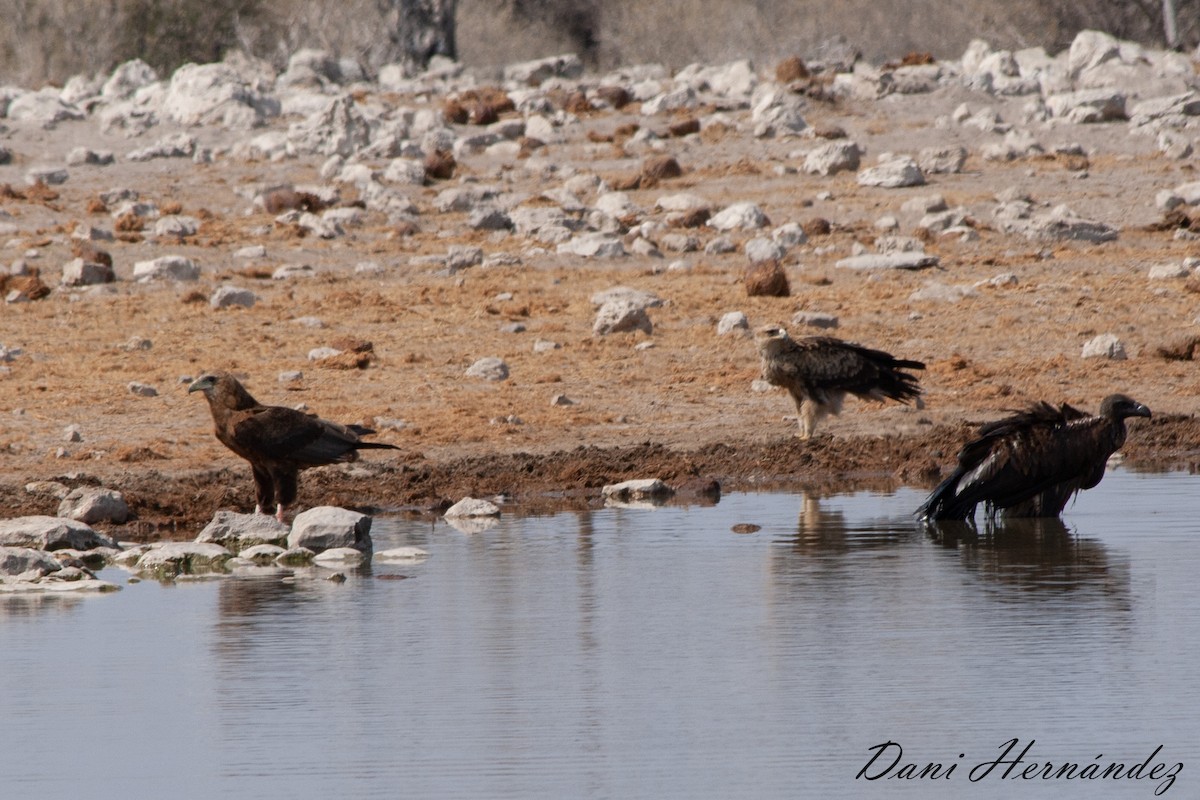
(636, 653)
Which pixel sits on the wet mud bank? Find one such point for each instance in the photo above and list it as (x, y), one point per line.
(177, 505)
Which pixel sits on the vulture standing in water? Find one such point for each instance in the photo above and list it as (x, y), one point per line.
(1032, 463)
(278, 442)
(819, 371)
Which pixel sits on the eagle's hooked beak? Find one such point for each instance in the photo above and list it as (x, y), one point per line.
(768, 332)
(202, 384)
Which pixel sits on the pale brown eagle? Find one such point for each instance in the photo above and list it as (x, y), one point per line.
(1032, 463)
(819, 371)
(278, 442)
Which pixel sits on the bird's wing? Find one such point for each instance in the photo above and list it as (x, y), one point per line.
(275, 433)
(821, 361)
(1011, 465)
(829, 364)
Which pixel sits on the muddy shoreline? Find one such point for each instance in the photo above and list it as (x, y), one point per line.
(176, 505)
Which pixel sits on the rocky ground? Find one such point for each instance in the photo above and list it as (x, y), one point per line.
(1035, 209)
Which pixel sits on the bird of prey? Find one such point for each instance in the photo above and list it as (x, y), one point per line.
(1032, 463)
(819, 371)
(278, 442)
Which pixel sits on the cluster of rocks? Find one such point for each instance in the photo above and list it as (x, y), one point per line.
(62, 554)
(327, 108)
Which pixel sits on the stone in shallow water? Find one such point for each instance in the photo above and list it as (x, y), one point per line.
(473, 507)
(328, 527)
(402, 554)
(51, 533)
(635, 489)
(340, 555)
(240, 531)
(173, 558)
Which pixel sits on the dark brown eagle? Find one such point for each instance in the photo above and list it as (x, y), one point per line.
(819, 371)
(278, 442)
(1032, 463)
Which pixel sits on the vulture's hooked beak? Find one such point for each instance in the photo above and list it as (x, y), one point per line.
(1140, 410)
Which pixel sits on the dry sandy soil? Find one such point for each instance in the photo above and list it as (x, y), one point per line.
(682, 410)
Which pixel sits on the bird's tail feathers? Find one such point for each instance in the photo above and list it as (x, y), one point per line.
(375, 446)
(944, 502)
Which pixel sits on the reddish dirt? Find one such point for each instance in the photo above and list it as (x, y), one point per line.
(682, 410)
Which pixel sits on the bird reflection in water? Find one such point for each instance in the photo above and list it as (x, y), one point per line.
(1034, 554)
(824, 529)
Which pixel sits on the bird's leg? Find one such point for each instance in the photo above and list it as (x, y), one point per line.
(806, 410)
(258, 509)
(279, 512)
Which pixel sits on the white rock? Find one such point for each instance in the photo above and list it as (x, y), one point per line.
(229, 296)
(326, 527)
(896, 173)
(815, 319)
(340, 555)
(251, 251)
(637, 489)
(639, 297)
(832, 158)
(44, 108)
(789, 235)
(678, 98)
(240, 531)
(593, 245)
(23, 560)
(51, 533)
(127, 78)
(295, 556)
(1088, 105)
(186, 557)
(1169, 271)
(537, 71)
(473, 507)
(262, 553)
(289, 271)
(760, 249)
(215, 94)
(942, 160)
(51, 176)
(1090, 49)
(175, 268)
(78, 272)
(176, 226)
(1106, 345)
(142, 389)
(617, 204)
(732, 321)
(739, 216)
(178, 145)
(776, 112)
(90, 504)
(680, 202)
(900, 260)
(936, 291)
(402, 554)
(620, 315)
(490, 369)
(339, 128)
(461, 257)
